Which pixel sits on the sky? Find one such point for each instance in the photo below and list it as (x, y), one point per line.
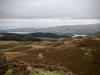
(48, 13)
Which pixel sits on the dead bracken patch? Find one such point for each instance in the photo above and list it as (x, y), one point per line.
(7, 46)
(13, 54)
(20, 49)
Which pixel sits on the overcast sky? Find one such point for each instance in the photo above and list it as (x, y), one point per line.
(48, 13)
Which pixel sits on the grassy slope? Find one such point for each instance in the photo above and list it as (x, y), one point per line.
(77, 55)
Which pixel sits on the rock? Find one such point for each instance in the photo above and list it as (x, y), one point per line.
(40, 56)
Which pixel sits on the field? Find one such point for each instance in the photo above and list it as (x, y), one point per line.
(74, 56)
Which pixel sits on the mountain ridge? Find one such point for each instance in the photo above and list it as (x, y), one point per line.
(66, 29)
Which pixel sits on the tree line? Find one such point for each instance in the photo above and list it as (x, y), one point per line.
(19, 37)
(31, 36)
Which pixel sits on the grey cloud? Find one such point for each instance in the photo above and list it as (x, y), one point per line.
(42, 23)
(30, 9)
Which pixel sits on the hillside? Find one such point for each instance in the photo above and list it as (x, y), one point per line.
(32, 37)
(23, 30)
(3, 31)
(74, 56)
(75, 29)
(69, 29)
(97, 32)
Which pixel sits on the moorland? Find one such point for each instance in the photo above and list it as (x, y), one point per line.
(64, 56)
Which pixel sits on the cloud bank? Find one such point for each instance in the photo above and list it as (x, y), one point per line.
(46, 13)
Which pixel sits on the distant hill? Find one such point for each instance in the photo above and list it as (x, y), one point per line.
(23, 30)
(3, 31)
(97, 32)
(67, 29)
(74, 29)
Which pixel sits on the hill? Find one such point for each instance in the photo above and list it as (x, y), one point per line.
(74, 29)
(67, 29)
(73, 56)
(50, 35)
(3, 31)
(32, 36)
(97, 32)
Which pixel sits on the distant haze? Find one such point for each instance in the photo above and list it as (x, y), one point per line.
(48, 13)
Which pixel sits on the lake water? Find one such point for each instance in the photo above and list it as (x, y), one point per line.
(76, 35)
(20, 32)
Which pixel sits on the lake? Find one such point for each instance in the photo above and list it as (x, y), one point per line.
(76, 35)
(20, 32)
